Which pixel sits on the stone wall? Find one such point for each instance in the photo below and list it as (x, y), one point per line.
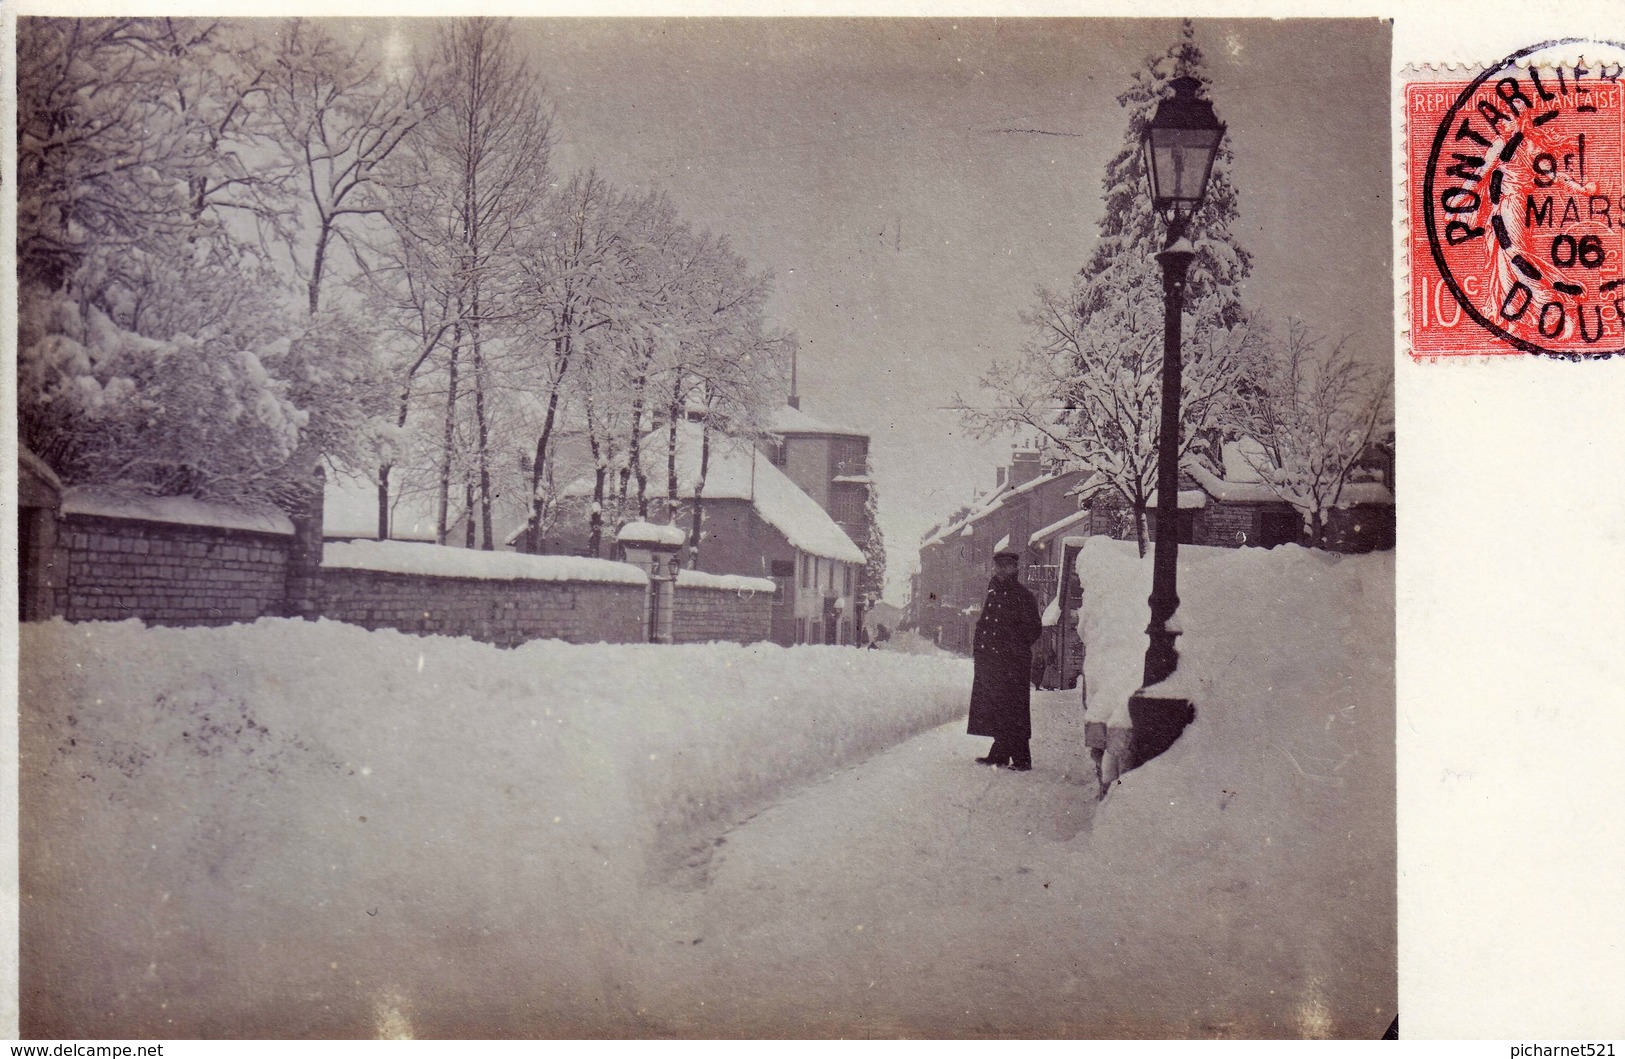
(109, 569)
(109, 566)
(706, 614)
(506, 613)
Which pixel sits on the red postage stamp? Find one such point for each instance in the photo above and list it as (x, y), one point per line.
(1516, 206)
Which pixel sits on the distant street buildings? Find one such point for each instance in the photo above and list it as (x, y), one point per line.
(1045, 513)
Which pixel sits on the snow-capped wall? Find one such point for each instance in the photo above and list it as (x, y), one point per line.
(106, 567)
(505, 612)
(115, 560)
(720, 611)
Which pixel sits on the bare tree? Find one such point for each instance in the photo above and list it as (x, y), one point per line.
(1093, 394)
(337, 120)
(1314, 412)
(575, 274)
(476, 171)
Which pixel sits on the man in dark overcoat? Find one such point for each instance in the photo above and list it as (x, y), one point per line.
(999, 699)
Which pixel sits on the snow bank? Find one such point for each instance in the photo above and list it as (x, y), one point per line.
(309, 829)
(433, 560)
(1269, 827)
(733, 582)
(182, 510)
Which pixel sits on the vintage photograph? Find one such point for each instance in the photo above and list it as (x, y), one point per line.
(706, 528)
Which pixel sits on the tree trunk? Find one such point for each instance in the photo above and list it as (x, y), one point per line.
(698, 521)
(634, 448)
(595, 533)
(383, 501)
(482, 452)
(1139, 527)
(314, 291)
(563, 348)
(671, 446)
(468, 514)
(448, 437)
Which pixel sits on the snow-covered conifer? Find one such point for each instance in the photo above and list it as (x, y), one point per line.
(1088, 379)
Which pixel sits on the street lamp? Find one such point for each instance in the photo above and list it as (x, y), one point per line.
(1180, 145)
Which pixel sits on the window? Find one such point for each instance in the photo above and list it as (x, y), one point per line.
(783, 571)
(801, 560)
(829, 583)
(801, 630)
(847, 571)
(846, 503)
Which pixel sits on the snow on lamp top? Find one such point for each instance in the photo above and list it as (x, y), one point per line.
(651, 535)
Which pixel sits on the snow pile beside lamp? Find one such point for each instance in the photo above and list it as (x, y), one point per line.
(1180, 145)
(654, 548)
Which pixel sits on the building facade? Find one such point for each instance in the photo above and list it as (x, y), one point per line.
(755, 521)
(1046, 514)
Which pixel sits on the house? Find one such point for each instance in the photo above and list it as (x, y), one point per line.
(956, 558)
(1239, 509)
(829, 463)
(757, 522)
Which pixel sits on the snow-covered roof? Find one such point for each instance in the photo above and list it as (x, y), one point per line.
(1087, 485)
(853, 479)
(1003, 543)
(433, 560)
(789, 420)
(965, 525)
(737, 471)
(1041, 480)
(1241, 458)
(350, 510)
(1257, 492)
(984, 506)
(732, 582)
(181, 510)
(1189, 500)
(651, 533)
(1041, 536)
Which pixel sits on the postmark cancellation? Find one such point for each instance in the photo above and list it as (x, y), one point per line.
(1514, 201)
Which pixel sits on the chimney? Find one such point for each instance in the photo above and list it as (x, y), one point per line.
(998, 477)
(793, 401)
(1024, 467)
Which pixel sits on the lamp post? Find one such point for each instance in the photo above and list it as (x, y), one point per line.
(1180, 145)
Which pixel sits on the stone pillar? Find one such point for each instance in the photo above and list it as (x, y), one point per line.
(302, 597)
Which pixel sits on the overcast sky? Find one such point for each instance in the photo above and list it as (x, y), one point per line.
(866, 162)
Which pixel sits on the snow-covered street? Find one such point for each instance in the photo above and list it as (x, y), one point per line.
(301, 829)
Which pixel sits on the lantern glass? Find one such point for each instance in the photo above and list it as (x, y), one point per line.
(1181, 143)
(1181, 162)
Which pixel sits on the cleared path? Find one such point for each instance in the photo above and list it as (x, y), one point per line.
(908, 895)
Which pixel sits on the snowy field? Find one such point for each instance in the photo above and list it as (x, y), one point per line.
(307, 829)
